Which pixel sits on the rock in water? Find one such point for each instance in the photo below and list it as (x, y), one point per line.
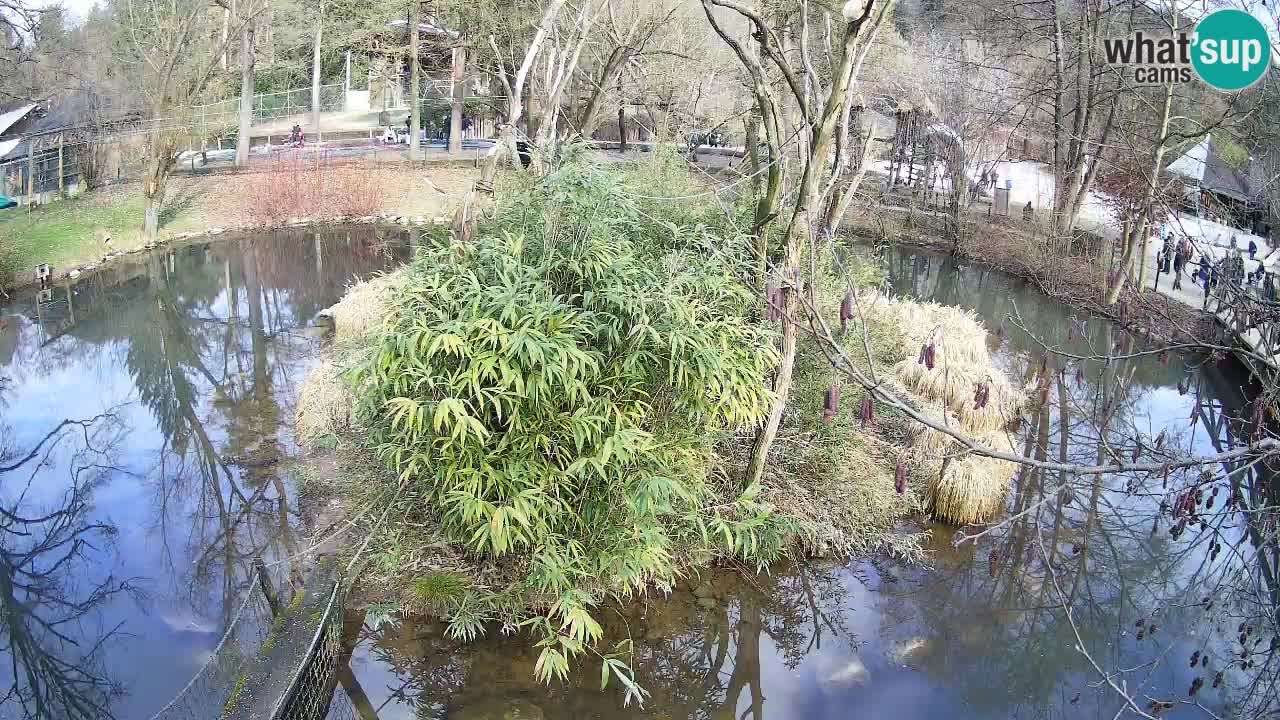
(498, 709)
(904, 652)
(850, 674)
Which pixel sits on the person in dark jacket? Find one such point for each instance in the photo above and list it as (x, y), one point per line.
(1253, 248)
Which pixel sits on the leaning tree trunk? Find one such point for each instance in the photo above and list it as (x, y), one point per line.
(587, 119)
(798, 233)
(1138, 233)
(464, 216)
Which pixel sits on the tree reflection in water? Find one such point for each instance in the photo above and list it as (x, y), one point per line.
(210, 342)
(1144, 596)
(53, 584)
(698, 652)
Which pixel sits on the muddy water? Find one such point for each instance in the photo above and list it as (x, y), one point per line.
(978, 633)
(145, 448)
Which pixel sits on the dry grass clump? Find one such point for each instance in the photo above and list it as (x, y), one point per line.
(972, 488)
(842, 491)
(955, 387)
(960, 488)
(325, 403)
(363, 308)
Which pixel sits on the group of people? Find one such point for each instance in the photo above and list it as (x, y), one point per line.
(391, 137)
(1175, 257)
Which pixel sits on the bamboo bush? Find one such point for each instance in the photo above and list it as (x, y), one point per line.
(553, 391)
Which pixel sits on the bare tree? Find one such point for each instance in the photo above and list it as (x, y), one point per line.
(172, 50)
(820, 100)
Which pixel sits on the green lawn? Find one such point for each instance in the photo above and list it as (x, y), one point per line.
(62, 233)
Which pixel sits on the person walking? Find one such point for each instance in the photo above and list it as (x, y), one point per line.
(1253, 248)
(1178, 261)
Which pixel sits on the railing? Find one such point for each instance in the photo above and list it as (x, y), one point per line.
(1248, 313)
(310, 692)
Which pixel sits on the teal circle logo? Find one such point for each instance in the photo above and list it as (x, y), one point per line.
(1230, 49)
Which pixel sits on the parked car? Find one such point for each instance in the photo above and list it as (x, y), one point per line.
(7, 202)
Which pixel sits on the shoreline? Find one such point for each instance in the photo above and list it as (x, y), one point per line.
(85, 270)
(1190, 324)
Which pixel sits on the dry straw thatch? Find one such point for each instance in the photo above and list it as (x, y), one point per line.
(325, 404)
(363, 308)
(961, 488)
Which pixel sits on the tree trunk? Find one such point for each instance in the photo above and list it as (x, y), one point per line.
(160, 155)
(1138, 231)
(226, 28)
(246, 94)
(586, 121)
(415, 81)
(459, 96)
(315, 73)
(464, 217)
(798, 234)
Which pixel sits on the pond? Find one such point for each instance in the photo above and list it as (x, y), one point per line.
(978, 633)
(145, 439)
(145, 461)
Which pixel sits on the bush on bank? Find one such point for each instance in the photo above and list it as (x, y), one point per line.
(555, 390)
(565, 405)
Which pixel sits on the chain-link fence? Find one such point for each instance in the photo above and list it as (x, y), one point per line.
(310, 692)
(271, 106)
(276, 664)
(222, 681)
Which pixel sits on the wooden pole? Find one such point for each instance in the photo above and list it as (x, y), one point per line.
(415, 75)
(31, 173)
(62, 187)
(459, 92)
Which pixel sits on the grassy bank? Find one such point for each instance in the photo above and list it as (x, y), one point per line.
(64, 233)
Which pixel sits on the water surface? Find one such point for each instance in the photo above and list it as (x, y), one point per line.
(978, 633)
(145, 446)
(127, 533)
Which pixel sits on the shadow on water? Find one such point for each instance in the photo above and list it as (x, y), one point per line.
(145, 448)
(979, 633)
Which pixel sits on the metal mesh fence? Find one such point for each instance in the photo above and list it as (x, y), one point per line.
(217, 685)
(310, 693)
(284, 667)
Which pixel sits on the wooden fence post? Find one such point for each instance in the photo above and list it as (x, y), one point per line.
(31, 172)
